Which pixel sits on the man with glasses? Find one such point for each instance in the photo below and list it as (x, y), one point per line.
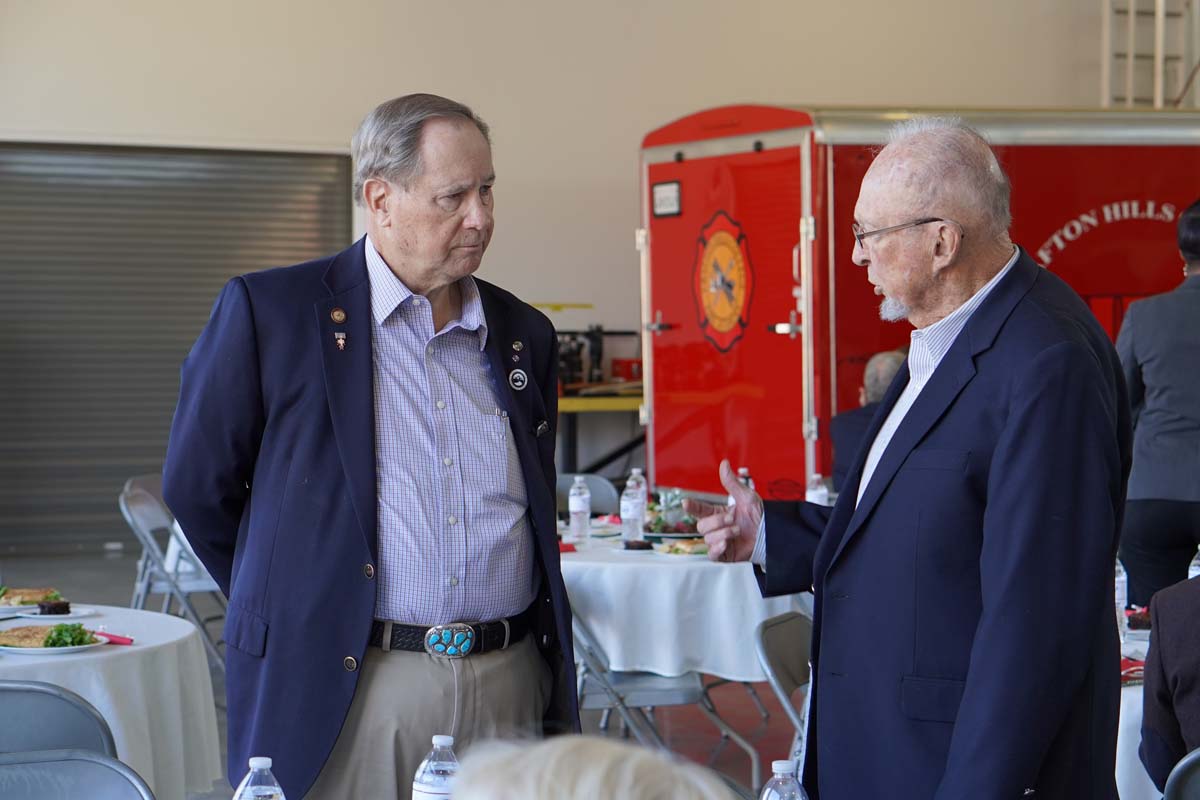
(964, 641)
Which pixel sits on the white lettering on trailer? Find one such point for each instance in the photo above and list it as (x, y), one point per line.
(1118, 211)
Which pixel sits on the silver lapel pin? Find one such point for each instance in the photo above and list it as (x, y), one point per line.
(339, 339)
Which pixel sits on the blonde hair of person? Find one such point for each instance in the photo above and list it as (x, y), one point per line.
(581, 768)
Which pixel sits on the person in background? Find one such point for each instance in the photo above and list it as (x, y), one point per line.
(1171, 691)
(964, 643)
(363, 458)
(581, 768)
(1159, 345)
(848, 428)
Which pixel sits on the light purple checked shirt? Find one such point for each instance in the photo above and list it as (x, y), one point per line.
(454, 536)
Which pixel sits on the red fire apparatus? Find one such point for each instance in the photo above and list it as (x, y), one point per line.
(759, 324)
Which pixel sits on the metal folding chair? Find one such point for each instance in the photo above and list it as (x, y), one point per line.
(1184, 781)
(605, 499)
(44, 716)
(143, 508)
(782, 644)
(68, 775)
(628, 693)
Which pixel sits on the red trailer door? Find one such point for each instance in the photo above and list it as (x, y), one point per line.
(724, 257)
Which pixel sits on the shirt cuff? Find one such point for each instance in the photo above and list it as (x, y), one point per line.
(758, 557)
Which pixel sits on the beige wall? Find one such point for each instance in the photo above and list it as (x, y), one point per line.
(568, 87)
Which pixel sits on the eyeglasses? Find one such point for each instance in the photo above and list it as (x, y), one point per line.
(860, 234)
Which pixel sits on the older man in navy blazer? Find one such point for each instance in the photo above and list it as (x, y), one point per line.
(363, 457)
(964, 641)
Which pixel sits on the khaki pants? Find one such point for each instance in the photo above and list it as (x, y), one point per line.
(404, 698)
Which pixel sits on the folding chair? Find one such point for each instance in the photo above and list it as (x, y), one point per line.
(68, 775)
(48, 717)
(143, 508)
(605, 499)
(1184, 781)
(628, 693)
(782, 644)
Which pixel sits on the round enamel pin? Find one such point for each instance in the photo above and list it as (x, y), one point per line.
(517, 379)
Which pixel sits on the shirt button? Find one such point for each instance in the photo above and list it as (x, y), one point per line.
(369, 571)
(350, 663)
(447, 461)
(453, 581)
(452, 519)
(441, 404)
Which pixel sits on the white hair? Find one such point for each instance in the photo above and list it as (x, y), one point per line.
(388, 142)
(581, 768)
(955, 167)
(880, 369)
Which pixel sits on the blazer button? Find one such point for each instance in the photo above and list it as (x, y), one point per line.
(350, 663)
(369, 571)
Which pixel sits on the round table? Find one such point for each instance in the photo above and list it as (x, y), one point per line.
(1133, 782)
(671, 614)
(156, 694)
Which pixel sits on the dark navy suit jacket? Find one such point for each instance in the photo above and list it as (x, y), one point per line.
(847, 430)
(270, 471)
(964, 640)
(1171, 694)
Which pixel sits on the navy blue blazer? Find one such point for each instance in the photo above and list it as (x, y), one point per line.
(270, 470)
(847, 431)
(964, 640)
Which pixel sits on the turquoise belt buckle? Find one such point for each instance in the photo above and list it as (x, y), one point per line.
(452, 640)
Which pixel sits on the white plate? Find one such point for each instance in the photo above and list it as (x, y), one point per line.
(76, 613)
(56, 651)
(6, 610)
(670, 536)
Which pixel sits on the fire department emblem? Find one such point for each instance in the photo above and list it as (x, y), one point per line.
(723, 281)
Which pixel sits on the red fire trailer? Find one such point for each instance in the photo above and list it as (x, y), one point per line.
(759, 324)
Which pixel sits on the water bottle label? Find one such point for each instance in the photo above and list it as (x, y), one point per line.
(430, 792)
(630, 507)
(579, 504)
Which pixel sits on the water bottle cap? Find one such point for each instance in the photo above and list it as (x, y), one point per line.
(443, 741)
(783, 766)
(579, 479)
(260, 762)
(637, 470)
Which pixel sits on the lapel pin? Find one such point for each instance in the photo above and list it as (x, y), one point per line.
(338, 315)
(517, 379)
(518, 346)
(543, 428)
(339, 338)
(516, 358)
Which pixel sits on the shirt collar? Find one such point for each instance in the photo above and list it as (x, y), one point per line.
(388, 293)
(930, 344)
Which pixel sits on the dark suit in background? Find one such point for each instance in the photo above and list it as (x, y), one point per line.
(1159, 345)
(847, 430)
(1171, 694)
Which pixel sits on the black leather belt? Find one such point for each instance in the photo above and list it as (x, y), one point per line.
(452, 640)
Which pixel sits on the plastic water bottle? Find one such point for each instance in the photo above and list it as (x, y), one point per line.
(1121, 585)
(580, 505)
(259, 783)
(783, 786)
(636, 477)
(633, 511)
(817, 492)
(743, 477)
(436, 774)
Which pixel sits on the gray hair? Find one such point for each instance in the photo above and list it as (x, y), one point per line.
(590, 767)
(878, 374)
(388, 142)
(955, 167)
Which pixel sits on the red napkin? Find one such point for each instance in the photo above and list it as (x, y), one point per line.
(1131, 669)
(114, 638)
(566, 547)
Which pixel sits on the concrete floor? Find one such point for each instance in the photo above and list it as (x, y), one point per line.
(107, 578)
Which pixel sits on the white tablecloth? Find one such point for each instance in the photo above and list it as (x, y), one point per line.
(1133, 783)
(671, 614)
(155, 694)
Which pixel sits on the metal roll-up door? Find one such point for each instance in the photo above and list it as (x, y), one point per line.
(111, 258)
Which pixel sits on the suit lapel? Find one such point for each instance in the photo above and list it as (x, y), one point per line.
(954, 372)
(349, 380)
(519, 403)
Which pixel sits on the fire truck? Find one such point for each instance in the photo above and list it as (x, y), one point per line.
(758, 324)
